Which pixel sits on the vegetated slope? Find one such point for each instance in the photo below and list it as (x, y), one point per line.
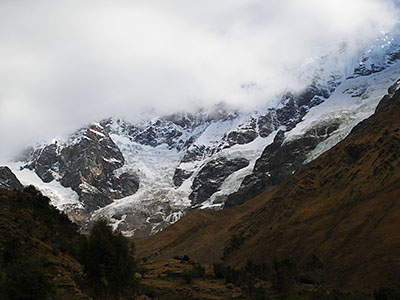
(343, 208)
(35, 237)
(43, 256)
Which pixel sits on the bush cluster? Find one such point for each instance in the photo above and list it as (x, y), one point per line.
(245, 277)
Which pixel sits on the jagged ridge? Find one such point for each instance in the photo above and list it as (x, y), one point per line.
(145, 176)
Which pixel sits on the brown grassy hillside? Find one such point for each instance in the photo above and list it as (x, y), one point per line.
(343, 208)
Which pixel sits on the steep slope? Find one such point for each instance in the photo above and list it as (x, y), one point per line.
(342, 207)
(35, 237)
(323, 127)
(8, 180)
(44, 257)
(85, 162)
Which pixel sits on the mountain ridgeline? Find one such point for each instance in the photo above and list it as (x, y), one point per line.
(342, 210)
(143, 176)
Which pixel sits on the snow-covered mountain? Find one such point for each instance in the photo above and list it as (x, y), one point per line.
(145, 176)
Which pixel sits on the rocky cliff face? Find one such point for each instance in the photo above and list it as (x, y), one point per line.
(212, 175)
(8, 180)
(289, 151)
(278, 161)
(86, 162)
(293, 108)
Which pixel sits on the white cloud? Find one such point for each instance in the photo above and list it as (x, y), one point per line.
(66, 63)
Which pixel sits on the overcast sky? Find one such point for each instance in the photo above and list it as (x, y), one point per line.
(66, 63)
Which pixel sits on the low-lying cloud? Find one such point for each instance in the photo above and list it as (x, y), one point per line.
(66, 63)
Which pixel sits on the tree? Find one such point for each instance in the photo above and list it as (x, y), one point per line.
(107, 258)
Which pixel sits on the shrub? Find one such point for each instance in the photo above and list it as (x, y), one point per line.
(384, 293)
(188, 278)
(285, 275)
(198, 271)
(185, 258)
(219, 270)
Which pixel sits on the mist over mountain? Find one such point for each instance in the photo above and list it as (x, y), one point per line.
(68, 64)
(143, 176)
(339, 210)
(249, 148)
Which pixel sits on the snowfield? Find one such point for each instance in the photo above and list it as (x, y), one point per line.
(353, 101)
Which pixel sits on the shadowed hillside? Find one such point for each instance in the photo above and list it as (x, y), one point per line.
(43, 256)
(342, 208)
(35, 236)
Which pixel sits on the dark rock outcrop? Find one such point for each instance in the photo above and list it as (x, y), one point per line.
(267, 123)
(170, 130)
(278, 161)
(393, 93)
(8, 180)
(293, 109)
(86, 164)
(295, 106)
(212, 175)
(245, 133)
(180, 176)
(194, 153)
(46, 163)
(281, 159)
(370, 66)
(158, 134)
(241, 137)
